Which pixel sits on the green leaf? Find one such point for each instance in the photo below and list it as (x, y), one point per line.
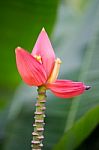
(80, 130)
(88, 73)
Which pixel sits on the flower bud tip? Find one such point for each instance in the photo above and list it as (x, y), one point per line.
(87, 87)
(58, 60)
(18, 48)
(43, 29)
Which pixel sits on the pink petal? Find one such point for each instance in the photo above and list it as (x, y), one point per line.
(44, 48)
(66, 88)
(31, 71)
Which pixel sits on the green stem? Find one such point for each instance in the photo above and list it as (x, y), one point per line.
(39, 119)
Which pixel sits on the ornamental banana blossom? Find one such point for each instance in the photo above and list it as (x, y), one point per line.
(42, 68)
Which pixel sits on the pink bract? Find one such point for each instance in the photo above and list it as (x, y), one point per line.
(66, 88)
(39, 67)
(44, 48)
(31, 71)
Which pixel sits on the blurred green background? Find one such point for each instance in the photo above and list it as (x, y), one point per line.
(73, 26)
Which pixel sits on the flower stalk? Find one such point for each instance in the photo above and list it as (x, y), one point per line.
(40, 68)
(39, 119)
